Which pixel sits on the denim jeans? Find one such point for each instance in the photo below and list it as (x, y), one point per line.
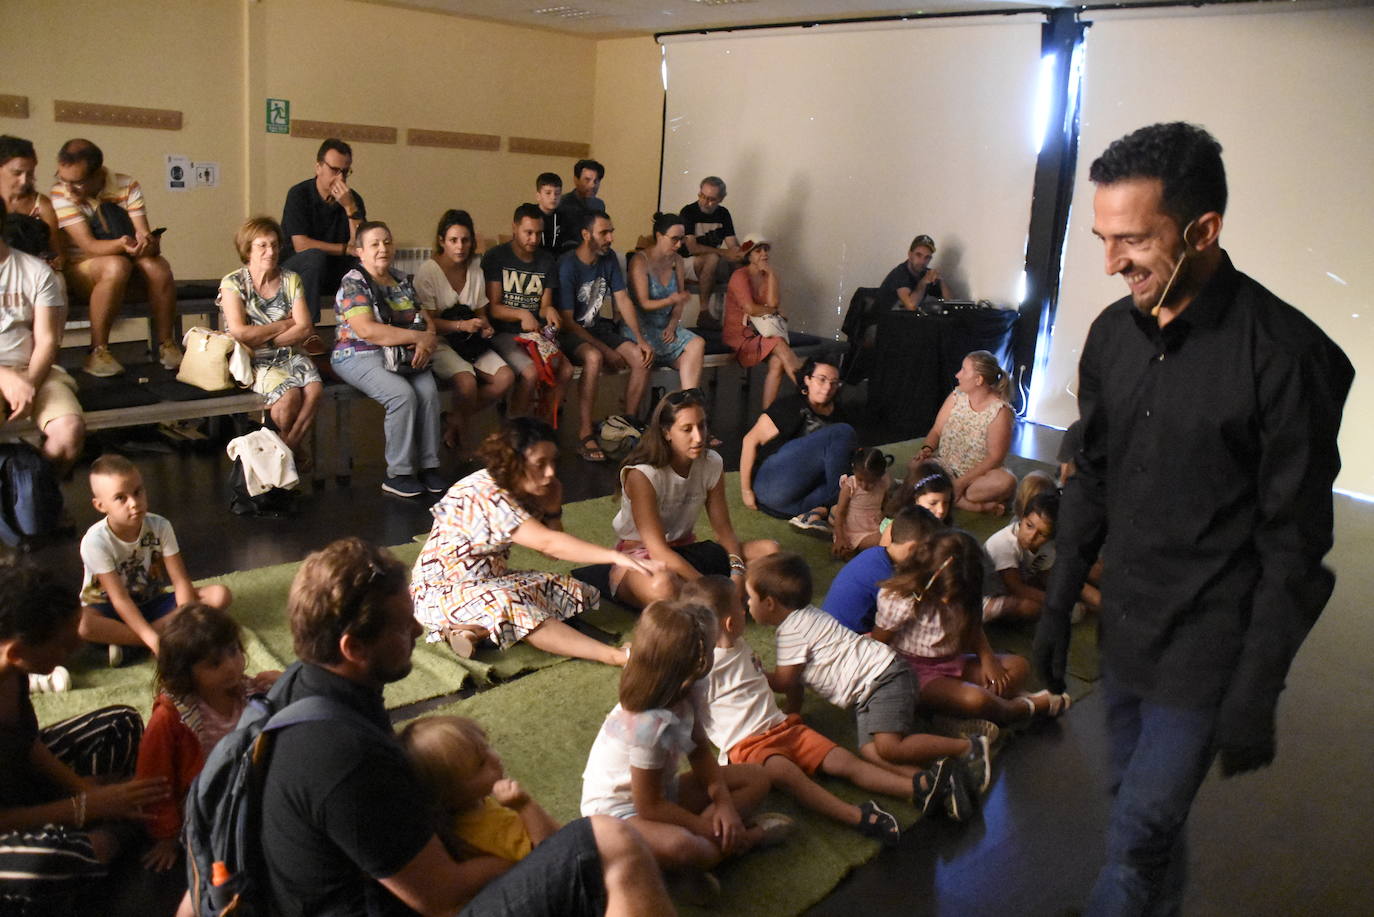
(805, 473)
(560, 878)
(412, 408)
(1159, 757)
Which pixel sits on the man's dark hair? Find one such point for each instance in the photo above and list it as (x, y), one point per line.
(1184, 157)
(12, 147)
(590, 218)
(341, 589)
(546, 179)
(80, 150)
(335, 144)
(592, 164)
(528, 212)
(34, 604)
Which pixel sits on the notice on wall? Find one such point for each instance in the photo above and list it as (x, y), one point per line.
(278, 116)
(179, 177)
(206, 174)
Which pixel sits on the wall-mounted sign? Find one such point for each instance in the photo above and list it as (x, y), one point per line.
(278, 116)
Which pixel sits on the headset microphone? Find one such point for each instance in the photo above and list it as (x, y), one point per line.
(1183, 256)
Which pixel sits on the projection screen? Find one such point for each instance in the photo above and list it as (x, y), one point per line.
(842, 143)
(1287, 95)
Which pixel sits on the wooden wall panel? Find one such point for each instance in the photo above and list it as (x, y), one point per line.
(364, 133)
(540, 147)
(452, 140)
(116, 115)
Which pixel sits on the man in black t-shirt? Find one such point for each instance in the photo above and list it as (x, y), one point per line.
(587, 175)
(521, 280)
(318, 222)
(912, 281)
(710, 246)
(347, 829)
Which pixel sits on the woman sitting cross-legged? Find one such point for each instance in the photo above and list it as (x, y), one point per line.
(462, 588)
(753, 293)
(792, 458)
(264, 309)
(665, 482)
(972, 436)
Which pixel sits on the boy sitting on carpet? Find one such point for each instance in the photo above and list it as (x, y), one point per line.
(134, 578)
(736, 708)
(853, 596)
(857, 672)
(480, 811)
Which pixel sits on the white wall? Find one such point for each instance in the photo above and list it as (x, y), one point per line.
(844, 143)
(1288, 94)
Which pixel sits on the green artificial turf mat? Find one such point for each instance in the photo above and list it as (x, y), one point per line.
(260, 607)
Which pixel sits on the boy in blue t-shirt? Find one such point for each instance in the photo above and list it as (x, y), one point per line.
(588, 276)
(853, 596)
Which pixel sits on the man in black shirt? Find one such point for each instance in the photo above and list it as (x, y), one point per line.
(318, 221)
(347, 829)
(1209, 411)
(711, 247)
(910, 282)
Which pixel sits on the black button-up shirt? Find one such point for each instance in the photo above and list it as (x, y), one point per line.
(1208, 457)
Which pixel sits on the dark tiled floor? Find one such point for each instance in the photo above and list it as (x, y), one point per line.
(1294, 839)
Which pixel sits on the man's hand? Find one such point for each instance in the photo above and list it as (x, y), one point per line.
(163, 855)
(1245, 735)
(1051, 648)
(339, 191)
(132, 247)
(613, 359)
(528, 321)
(931, 278)
(17, 391)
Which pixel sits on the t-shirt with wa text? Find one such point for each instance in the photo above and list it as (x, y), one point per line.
(522, 282)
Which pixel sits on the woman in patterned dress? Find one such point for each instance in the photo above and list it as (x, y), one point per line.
(462, 589)
(264, 309)
(972, 435)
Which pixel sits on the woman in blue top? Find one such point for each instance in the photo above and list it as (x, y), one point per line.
(376, 307)
(660, 288)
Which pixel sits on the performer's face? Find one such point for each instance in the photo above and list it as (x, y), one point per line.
(1141, 242)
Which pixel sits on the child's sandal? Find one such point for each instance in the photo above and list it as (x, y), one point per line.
(879, 824)
(930, 786)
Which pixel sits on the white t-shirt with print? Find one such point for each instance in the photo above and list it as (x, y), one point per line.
(26, 284)
(679, 499)
(139, 563)
(839, 664)
(734, 701)
(650, 740)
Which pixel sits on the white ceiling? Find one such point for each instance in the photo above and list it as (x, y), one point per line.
(602, 18)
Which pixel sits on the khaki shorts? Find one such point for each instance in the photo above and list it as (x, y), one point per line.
(55, 398)
(446, 363)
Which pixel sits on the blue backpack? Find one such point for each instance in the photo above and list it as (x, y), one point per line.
(222, 825)
(30, 498)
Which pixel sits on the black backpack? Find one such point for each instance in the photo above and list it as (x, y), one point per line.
(222, 825)
(30, 498)
(276, 502)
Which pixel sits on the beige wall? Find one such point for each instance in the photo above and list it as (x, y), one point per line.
(217, 61)
(184, 57)
(627, 132)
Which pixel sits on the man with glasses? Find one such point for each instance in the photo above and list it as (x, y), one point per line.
(111, 252)
(910, 283)
(710, 247)
(319, 220)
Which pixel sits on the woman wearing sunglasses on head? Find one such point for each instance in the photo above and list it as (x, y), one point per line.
(664, 484)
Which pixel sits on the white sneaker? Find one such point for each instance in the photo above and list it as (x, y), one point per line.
(100, 362)
(55, 682)
(169, 354)
(116, 656)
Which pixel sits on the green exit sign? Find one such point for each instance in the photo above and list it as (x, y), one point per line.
(278, 116)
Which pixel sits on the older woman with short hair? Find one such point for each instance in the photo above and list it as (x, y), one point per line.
(264, 309)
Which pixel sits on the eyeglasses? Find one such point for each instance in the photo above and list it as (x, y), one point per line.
(342, 173)
(833, 381)
(676, 236)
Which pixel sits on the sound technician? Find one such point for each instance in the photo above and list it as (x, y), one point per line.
(1210, 412)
